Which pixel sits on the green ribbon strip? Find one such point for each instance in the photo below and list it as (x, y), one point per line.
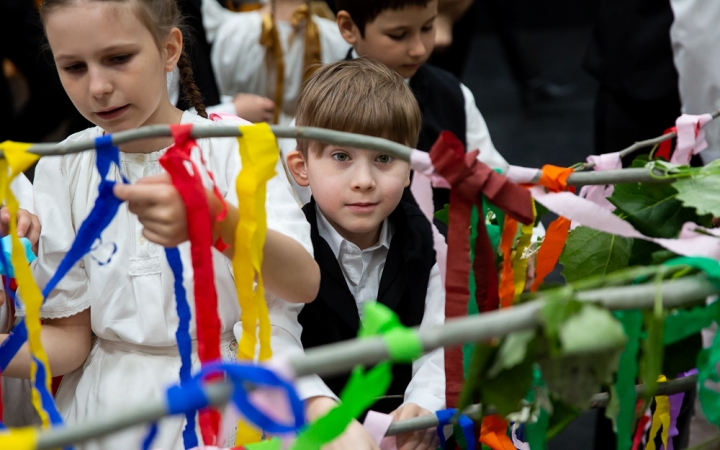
(707, 265)
(536, 433)
(627, 373)
(271, 444)
(685, 323)
(364, 387)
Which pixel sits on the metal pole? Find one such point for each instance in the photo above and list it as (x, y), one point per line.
(343, 356)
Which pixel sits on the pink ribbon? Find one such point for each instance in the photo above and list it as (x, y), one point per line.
(421, 188)
(377, 425)
(690, 137)
(597, 193)
(519, 445)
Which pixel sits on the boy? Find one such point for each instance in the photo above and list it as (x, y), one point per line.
(401, 35)
(368, 243)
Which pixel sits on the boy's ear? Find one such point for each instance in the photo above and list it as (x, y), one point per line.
(173, 49)
(298, 168)
(407, 180)
(348, 29)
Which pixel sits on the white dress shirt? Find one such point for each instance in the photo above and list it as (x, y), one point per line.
(363, 271)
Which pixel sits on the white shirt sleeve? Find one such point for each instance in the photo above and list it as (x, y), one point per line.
(478, 136)
(427, 387)
(286, 333)
(213, 15)
(53, 195)
(23, 191)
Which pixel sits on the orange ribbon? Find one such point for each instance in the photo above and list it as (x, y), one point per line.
(554, 179)
(493, 433)
(507, 279)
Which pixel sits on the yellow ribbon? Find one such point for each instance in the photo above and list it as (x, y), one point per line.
(661, 417)
(19, 439)
(270, 39)
(259, 154)
(520, 264)
(18, 160)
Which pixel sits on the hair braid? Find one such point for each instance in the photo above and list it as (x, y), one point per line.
(189, 88)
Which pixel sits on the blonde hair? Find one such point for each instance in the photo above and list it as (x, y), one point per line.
(159, 17)
(359, 96)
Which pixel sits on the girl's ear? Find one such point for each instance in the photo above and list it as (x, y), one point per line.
(298, 168)
(173, 49)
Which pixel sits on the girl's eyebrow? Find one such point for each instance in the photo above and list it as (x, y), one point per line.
(108, 49)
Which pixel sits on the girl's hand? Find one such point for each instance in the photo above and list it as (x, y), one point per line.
(159, 207)
(418, 440)
(354, 436)
(28, 225)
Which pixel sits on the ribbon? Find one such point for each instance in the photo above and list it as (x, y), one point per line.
(624, 387)
(640, 431)
(520, 263)
(7, 269)
(676, 402)
(665, 148)
(708, 361)
(177, 162)
(103, 211)
(259, 153)
(446, 416)
(470, 180)
(150, 437)
(18, 160)
(364, 387)
(596, 193)
(507, 280)
(661, 418)
(690, 137)
(19, 439)
(377, 424)
(270, 39)
(182, 335)
(493, 433)
(519, 445)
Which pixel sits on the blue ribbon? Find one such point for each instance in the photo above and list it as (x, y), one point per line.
(445, 417)
(152, 432)
(184, 341)
(103, 212)
(190, 397)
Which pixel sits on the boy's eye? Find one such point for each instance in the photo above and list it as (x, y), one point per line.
(397, 37)
(384, 159)
(427, 28)
(341, 157)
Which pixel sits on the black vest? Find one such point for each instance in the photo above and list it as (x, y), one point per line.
(333, 316)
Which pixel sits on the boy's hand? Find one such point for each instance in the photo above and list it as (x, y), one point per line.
(418, 440)
(28, 225)
(254, 107)
(355, 437)
(159, 207)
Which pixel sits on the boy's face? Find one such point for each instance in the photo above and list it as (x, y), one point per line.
(402, 39)
(355, 189)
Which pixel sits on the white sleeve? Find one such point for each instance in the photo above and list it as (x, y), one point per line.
(23, 191)
(478, 136)
(53, 198)
(225, 106)
(213, 15)
(427, 387)
(237, 57)
(695, 35)
(286, 332)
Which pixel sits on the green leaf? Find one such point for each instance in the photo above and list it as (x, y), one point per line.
(653, 209)
(651, 360)
(512, 351)
(443, 215)
(589, 252)
(557, 309)
(481, 357)
(507, 390)
(592, 329)
(701, 191)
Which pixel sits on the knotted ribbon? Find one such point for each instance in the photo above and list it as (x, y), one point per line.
(187, 180)
(598, 193)
(660, 420)
(445, 417)
(17, 159)
(270, 39)
(493, 433)
(470, 180)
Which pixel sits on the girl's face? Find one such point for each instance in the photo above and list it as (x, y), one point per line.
(110, 65)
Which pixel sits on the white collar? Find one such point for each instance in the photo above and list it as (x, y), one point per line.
(336, 241)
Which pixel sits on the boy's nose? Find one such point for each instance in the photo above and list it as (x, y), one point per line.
(362, 178)
(417, 48)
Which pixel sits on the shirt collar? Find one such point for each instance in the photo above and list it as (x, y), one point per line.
(336, 241)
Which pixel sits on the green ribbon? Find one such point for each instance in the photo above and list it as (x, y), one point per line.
(624, 387)
(685, 323)
(364, 387)
(271, 444)
(536, 433)
(707, 265)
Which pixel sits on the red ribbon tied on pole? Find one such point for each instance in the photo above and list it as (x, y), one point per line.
(188, 181)
(471, 180)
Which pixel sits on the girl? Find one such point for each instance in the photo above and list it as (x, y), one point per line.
(269, 53)
(113, 57)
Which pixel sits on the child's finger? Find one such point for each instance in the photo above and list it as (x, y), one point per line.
(144, 193)
(23, 223)
(33, 232)
(4, 215)
(161, 178)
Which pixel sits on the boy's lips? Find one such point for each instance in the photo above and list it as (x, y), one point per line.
(362, 207)
(112, 113)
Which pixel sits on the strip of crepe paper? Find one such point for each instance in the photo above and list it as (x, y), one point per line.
(19, 439)
(599, 193)
(660, 420)
(187, 180)
(493, 433)
(520, 264)
(519, 445)
(507, 278)
(627, 374)
(376, 424)
(690, 137)
(664, 150)
(17, 159)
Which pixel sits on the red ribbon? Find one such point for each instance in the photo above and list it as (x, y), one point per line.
(664, 150)
(470, 180)
(189, 184)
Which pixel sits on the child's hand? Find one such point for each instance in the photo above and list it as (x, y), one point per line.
(418, 440)
(355, 437)
(254, 107)
(28, 225)
(530, 275)
(159, 207)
